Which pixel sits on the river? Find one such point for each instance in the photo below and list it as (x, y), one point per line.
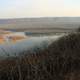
(12, 50)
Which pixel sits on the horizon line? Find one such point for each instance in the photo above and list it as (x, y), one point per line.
(42, 17)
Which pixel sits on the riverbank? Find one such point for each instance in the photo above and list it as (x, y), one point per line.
(59, 61)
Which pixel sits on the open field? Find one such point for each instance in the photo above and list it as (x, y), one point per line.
(55, 24)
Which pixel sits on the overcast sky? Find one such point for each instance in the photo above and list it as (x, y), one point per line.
(39, 8)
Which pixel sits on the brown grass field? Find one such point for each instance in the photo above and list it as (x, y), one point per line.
(13, 38)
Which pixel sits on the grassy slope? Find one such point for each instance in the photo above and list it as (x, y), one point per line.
(60, 61)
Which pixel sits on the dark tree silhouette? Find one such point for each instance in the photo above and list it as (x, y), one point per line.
(78, 30)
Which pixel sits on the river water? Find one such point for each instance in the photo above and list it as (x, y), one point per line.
(12, 50)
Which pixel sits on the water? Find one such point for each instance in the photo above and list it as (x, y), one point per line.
(12, 50)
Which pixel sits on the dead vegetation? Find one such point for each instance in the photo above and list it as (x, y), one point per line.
(60, 61)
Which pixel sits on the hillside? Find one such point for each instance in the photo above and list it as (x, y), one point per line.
(59, 61)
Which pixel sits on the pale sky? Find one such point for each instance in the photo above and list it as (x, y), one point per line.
(39, 8)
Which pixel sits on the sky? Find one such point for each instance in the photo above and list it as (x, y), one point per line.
(39, 8)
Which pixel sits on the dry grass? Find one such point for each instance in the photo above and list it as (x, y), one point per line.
(60, 61)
